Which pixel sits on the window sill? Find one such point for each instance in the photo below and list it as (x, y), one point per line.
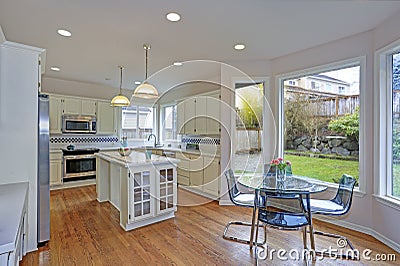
(333, 187)
(388, 201)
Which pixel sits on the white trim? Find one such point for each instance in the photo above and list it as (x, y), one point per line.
(201, 193)
(359, 228)
(9, 44)
(226, 202)
(388, 201)
(2, 36)
(357, 61)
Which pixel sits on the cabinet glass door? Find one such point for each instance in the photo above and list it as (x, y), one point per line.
(166, 192)
(141, 200)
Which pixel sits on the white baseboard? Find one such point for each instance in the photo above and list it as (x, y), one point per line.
(359, 228)
(198, 192)
(225, 202)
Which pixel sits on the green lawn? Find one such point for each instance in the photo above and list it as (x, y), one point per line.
(321, 168)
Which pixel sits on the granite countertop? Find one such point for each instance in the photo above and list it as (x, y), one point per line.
(135, 158)
(12, 200)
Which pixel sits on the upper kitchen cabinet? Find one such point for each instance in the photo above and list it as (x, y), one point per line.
(199, 115)
(105, 119)
(55, 114)
(76, 106)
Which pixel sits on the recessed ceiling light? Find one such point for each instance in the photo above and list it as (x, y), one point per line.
(54, 68)
(178, 63)
(64, 33)
(108, 79)
(137, 82)
(173, 17)
(239, 46)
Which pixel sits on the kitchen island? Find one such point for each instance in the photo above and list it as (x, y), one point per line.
(143, 190)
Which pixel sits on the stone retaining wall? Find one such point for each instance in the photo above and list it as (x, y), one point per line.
(343, 146)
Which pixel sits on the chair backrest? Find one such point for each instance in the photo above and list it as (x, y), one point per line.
(232, 187)
(344, 194)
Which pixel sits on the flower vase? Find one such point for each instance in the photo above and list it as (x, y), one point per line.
(280, 174)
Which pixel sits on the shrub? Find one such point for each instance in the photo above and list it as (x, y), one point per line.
(348, 125)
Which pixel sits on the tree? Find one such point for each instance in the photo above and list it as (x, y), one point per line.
(251, 105)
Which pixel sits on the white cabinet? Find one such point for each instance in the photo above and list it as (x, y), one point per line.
(166, 190)
(105, 118)
(213, 114)
(55, 113)
(190, 116)
(76, 106)
(199, 115)
(183, 169)
(211, 181)
(55, 168)
(88, 107)
(141, 203)
(180, 118)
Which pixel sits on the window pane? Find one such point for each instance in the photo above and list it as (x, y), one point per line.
(137, 121)
(396, 125)
(169, 122)
(321, 119)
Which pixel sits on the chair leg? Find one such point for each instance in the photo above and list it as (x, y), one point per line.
(346, 241)
(240, 240)
(304, 232)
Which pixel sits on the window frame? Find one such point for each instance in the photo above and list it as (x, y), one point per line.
(162, 118)
(138, 121)
(357, 61)
(383, 123)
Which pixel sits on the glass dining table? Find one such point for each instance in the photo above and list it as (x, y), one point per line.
(292, 186)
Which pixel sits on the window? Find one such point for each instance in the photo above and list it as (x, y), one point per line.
(395, 128)
(137, 121)
(168, 122)
(292, 82)
(320, 133)
(328, 87)
(341, 89)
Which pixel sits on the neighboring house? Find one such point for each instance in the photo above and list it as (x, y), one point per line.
(321, 83)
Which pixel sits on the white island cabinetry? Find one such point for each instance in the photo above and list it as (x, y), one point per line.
(144, 191)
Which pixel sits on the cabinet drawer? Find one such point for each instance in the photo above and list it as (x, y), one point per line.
(55, 156)
(183, 180)
(183, 172)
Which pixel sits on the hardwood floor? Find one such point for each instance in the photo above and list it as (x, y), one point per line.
(85, 232)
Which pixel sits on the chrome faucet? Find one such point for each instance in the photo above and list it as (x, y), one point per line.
(155, 139)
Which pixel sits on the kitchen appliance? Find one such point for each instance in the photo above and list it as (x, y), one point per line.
(79, 164)
(43, 173)
(79, 124)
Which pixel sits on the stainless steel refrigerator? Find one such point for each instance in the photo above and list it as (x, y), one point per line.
(43, 184)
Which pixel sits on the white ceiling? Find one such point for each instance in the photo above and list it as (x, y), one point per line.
(108, 33)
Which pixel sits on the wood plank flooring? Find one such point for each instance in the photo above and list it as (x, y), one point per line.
(85, 232)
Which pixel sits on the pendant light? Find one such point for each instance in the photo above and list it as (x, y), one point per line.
(146, 90)
(120, 99)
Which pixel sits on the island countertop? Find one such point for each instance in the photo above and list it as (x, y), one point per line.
(135, 158)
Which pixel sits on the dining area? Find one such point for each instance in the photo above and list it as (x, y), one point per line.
(281, 200)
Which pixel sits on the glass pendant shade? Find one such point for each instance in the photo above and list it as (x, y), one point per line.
(146, 90)
(120, 100)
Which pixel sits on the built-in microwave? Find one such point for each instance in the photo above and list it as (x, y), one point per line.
(79, 124)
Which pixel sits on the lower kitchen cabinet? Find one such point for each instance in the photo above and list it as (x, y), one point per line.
(55, 168)
(212, 177)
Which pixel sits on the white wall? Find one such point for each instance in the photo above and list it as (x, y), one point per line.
(18, 123)
(367, 214)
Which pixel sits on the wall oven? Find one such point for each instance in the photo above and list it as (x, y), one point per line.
(79, 164)
(78, 124)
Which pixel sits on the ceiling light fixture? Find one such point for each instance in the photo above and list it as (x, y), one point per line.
(54, 68)
(178, 63)
(137, 82)
(239, 46)
(173, 17)
(64, 32)
(120, 100)
(146, 90)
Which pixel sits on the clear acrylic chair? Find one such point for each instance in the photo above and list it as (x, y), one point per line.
(338, 205)
(239, 199)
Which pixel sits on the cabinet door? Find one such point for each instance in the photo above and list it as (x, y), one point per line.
(196, 172)
(190, 116)
(72, 106)
(88, 107)
(141, 203)
(213, 114)
(55, 112)
(55, 172)
(105, 118)
(212, 177)
(180, 118)
(201, 113)
(166, 200)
